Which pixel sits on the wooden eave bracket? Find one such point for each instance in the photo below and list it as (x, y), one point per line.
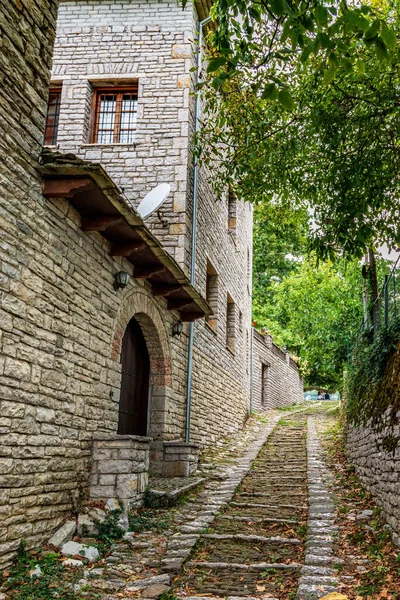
(66, 175)
(65, 187)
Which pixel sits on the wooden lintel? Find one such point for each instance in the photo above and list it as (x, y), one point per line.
(178, 303)
(66, 187)
(126, 249)
(147, 271)
(191, 316)
(100, 223)
(165, 290)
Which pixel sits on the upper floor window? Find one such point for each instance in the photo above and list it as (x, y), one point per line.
(232, 212)
(52, 117)
(115, 115)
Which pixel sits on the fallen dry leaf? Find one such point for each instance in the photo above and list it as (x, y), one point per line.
(335, 596)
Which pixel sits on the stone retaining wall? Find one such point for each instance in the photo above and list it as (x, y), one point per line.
(378, 470)
(276, 378)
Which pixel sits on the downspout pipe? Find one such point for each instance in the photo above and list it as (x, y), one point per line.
(194, 227)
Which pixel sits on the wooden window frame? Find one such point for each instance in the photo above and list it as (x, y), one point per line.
(56, 89)
(117, 91)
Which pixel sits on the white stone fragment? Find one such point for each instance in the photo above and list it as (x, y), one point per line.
(74, 548)
(63, 535)
(36, 572)
(113, 504)
(72, 562)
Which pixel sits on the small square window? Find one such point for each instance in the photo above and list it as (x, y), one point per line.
(212, 295)
(232, 212)
(52, 117)
(230, 324)
(115, 115)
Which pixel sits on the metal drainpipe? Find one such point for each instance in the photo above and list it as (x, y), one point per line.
(251, 368)
(194, 230)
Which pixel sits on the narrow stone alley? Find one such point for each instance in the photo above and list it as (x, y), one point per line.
(260, 524)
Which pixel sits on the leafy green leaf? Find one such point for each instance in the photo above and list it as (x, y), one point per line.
(373, 31)
(278, 7)
(286, 100)
(329, 75)
(270, 92)
(380, 49)
(306, 52)
(389, 37)
(215, 64)
(321, 15)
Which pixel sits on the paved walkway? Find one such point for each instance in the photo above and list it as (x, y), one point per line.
(247, 533)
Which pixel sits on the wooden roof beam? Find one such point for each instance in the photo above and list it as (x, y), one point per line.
(165, 290)
(65, 187)
(126, 249)
(178, 303)
(100, 223)
(145, 271)
(187, 317)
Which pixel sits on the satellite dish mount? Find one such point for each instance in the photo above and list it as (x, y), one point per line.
(153, 201)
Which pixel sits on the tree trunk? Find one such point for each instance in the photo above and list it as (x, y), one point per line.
(373, 281)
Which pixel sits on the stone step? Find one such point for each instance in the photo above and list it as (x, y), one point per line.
(251, 538)
(275, 506)
(242, 567)
(251, 519)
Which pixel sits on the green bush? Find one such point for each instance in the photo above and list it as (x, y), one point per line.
(372, 384)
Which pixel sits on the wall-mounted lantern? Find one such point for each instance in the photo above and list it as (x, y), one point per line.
(177, 328)
(121, 280)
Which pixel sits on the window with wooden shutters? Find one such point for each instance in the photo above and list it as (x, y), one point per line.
(115, 115)
(52, 117)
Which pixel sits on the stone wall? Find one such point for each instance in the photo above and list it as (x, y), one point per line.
(61, 320)
(27, 33)
(378, 470)
(60, 365)
(151, 43)
(276, 378)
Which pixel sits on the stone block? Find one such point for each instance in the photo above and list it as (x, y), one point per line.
(63, 535)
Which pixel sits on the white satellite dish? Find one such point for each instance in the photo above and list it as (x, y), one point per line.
(153, 200)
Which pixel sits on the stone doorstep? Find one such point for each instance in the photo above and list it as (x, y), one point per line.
(173, 495)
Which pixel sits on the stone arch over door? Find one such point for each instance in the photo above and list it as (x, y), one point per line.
(139, 306)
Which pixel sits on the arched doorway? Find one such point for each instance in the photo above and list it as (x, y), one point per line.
(135, 380)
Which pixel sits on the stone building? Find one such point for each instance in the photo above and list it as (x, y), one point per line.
(95, 381)
(276, 381)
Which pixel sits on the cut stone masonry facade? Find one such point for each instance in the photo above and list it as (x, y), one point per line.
(62, 323)
(276, 378)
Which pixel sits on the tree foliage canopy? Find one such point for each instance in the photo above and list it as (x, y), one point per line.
(314, 311)
(324, 134)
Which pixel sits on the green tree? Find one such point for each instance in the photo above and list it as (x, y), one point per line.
(316, 308)
(279, 236)
(336, 151)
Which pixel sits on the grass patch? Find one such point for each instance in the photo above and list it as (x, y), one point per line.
(55, 581)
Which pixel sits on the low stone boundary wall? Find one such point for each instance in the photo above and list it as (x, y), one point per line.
(120, 468)
(276, 378)
(379, 471)
(180, 459)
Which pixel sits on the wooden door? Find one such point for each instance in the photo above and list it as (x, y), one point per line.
(134, 400)
(264, 385)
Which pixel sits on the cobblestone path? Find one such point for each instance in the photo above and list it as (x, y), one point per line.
(261, 527)
(256, 546)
